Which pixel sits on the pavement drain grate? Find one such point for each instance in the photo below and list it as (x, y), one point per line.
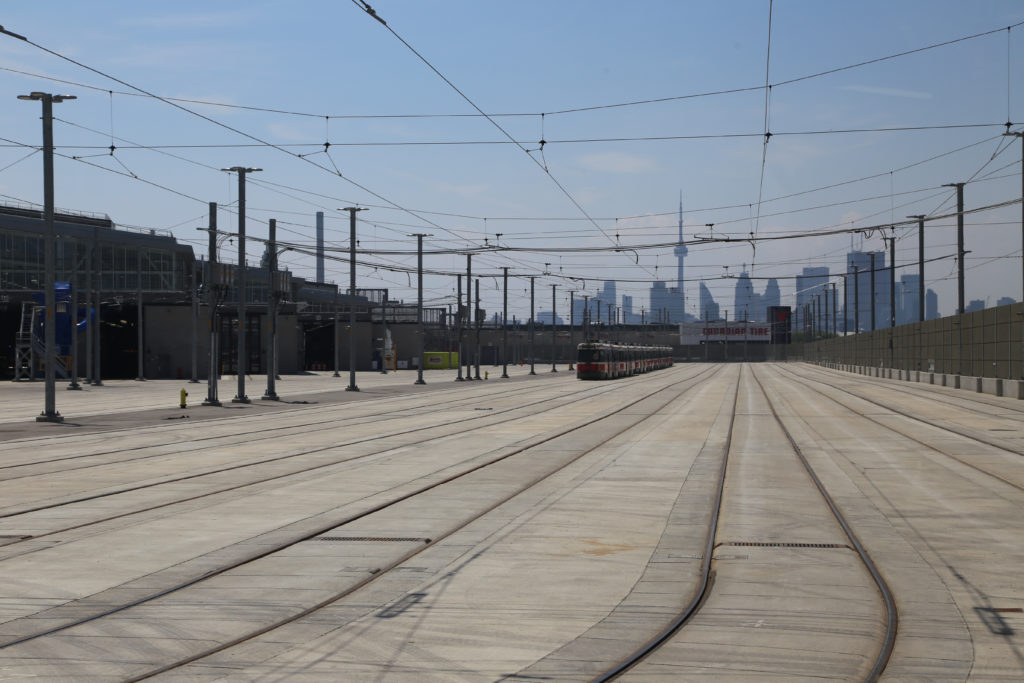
(364, 539)
(781, 544)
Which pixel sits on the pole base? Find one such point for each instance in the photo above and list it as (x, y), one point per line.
(55, 417)
(351, 387)
(419, 381)
(75, 386)
(98, 383)
(460, 379)
(140, 379)
(504, 375)
(241, 399)
(270, 397)
(211, 402)
(193, 381)
(335, 374)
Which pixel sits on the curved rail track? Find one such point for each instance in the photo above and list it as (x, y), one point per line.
(680, 621)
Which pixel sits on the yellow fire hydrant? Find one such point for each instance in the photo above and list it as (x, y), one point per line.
(486, 374)
(182, 395)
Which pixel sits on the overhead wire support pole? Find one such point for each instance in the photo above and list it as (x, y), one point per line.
(960, 253)
(49, 413)
(352, 210)
(194, 379)
(213, 286)
(140, 335)
(241, 283)
(554, 331)
(73, 310)
(504, 325)
(532, 354)
(478, 322)
(572, 323)
(271, 393)
(419, 304)
(469, 312)
(856, 299)
(1019, 135)
(458, 328)
(872, 255)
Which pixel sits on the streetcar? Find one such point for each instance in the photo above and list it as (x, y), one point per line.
(604, 360)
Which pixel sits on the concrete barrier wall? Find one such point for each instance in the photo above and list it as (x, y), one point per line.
(995, 386)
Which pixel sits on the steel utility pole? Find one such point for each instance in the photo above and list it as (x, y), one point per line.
(140, 339)
(835, 311)
(872, 255)
(97, 378)
(856, 299)
(1020, 135)
(352, 210)
(419, 303)
(532, 354)
(586, 317)
(572, 323)
(469, 310)
(73, 310)
(458, 327)
(825, 328)
(271, 394)
(846, 304)
(49, 413)
(241, 283)
(554, 332)
(195, 325)
(212, 287)
(920, 266)
(477, 323)
(960, 253)
(504, 326)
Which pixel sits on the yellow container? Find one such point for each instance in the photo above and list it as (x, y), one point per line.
(440, 360)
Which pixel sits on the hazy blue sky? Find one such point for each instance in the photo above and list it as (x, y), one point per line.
(527, 57)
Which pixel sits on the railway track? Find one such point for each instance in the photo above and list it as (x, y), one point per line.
(691, 609)
(810, 384)
(483, 418)
(339, 524)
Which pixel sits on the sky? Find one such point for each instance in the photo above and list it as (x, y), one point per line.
(606, 184)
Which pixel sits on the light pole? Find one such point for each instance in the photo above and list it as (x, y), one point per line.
(242, 363)
(352, 294)
(960, 254)
(49, 413)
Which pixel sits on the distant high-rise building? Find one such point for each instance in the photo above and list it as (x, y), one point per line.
(661, 302)
(1006, 301)
(931, 305)
(544, 318)
(708, 308)
(744, 301)
(975, 305)
(771, 297)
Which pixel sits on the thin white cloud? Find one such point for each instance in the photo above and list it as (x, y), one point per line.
(617, 162)
(891, 92)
